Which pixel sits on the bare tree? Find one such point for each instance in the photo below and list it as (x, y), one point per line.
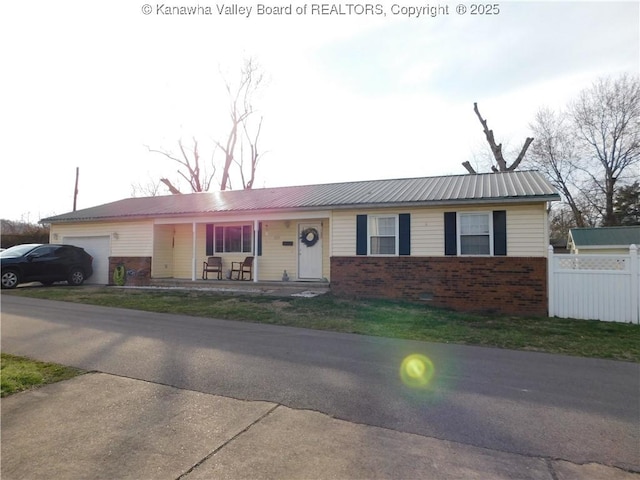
(254, 156)
(607, 121)
(592, 149)
(554, 154)
(240, 147)
(496, 149)
(560, 222)
(199, 177)
(149, 189)
(241, 112)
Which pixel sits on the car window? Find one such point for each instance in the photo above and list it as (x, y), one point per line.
(44, 251)
(18, 250)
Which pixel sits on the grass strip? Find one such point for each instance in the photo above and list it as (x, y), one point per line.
(393, 319)
(20, 373)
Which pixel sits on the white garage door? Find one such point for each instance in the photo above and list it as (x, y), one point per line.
(98, 248)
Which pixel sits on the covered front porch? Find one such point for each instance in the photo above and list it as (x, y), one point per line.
(283, 247)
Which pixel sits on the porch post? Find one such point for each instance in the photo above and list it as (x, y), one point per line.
(193, 252)
(634, 267)
(256, 225)
(551, 297)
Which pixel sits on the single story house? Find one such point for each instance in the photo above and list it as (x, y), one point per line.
(601, 240)
(468, 242)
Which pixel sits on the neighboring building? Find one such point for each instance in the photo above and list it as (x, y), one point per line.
(469, 242)
(559, 245)
(601, 240)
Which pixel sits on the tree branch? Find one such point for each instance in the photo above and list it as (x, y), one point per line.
(469, 168)
(525, 147)
(166, 154)
(495, 148)
(170, 186)
(254, 152)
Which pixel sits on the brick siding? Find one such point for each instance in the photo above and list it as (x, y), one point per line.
(138, 270)
(508, 285)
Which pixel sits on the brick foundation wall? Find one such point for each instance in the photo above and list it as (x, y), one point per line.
(508, 285)
(138, 270)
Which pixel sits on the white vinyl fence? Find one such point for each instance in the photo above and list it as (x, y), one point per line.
(595, 287)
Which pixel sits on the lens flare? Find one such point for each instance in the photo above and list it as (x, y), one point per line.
(416, 371)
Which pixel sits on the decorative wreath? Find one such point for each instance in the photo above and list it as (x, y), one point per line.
(309, 236)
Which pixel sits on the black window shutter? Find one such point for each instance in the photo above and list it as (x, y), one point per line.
(219, 241)
(404, 234)
(259, 239)
(361, 234)
(500, 232)
(209, 240)
(450, 234)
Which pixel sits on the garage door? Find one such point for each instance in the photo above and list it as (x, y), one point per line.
(98, 248)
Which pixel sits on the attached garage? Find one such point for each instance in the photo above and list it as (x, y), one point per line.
(98, 248)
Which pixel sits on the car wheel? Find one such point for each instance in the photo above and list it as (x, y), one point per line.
(10, 279)
(76, 277)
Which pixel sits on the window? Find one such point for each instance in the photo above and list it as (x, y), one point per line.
(233, 238)
(45, 251)
(383, 235)
(475, 234)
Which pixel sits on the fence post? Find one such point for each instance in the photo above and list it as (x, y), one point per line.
(550, 278)
(635, 288)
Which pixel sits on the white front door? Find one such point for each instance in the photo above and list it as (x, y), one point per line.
(309, 251)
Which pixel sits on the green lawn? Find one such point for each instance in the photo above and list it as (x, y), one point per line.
(373, 317)
(19, 373)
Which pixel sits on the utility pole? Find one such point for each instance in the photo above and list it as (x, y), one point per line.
(75, 191)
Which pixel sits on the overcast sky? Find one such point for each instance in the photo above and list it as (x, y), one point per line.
(348, 97)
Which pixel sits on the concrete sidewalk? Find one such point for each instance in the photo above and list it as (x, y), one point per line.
(103, 426)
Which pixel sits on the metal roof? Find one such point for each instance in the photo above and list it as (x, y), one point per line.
(518, 186)
(605, 236)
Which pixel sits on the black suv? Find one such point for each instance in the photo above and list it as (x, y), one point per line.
(48, 263)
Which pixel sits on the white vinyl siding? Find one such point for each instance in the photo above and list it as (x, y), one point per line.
(128, 239)
(162, 263)
(343, 233)
(276, 257)
(527, 234)
(427, 232)
(182, 251)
